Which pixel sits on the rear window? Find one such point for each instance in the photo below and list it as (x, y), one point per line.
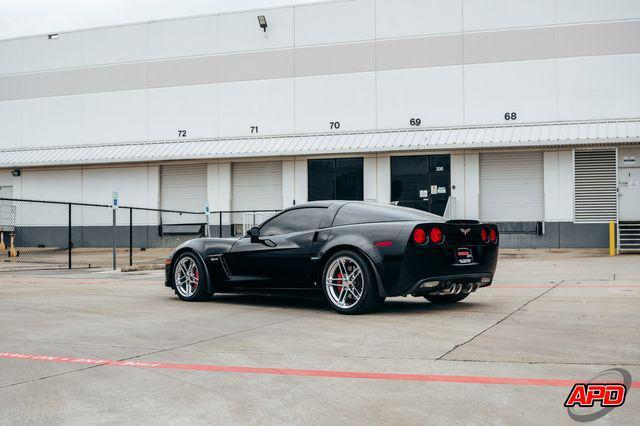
(368, 213)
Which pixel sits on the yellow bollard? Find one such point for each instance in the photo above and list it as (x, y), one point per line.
(12, 249)
(2, 246)
(612, 238)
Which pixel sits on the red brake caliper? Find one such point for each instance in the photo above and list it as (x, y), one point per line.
(339, 277)
(197, 275)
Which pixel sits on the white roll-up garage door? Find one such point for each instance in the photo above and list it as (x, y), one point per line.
(511, 187)
(257, 185)
(183, 187)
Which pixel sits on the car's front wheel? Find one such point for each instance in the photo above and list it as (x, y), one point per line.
(189, 278)
(349, 284)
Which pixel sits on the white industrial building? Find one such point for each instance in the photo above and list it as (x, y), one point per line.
(521, 112)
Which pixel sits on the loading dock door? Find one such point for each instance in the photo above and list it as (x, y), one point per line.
(6, 192)
(335, 179)
(256, 186)
(421, 182)
(511, 187)
(183, 187)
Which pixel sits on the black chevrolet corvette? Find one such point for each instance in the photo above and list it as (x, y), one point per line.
(355, 253)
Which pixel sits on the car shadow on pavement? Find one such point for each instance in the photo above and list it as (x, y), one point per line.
(400, 305)
(391, 306)
(274, 301)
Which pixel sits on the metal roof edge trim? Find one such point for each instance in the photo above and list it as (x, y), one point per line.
(467, 147)
(323, 134)
(444, 139)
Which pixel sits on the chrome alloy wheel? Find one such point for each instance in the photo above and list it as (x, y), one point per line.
(187, 277)
(344, 282)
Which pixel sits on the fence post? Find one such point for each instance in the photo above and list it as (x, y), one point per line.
(207, 230)
(130, 236)
(114, 239)
(69, 236)
(220, 225)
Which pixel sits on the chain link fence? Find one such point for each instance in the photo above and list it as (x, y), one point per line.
(31, 235)
(36, 234)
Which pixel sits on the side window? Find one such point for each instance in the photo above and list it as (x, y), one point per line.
(276, 226)
(297, 220)
(360, 213)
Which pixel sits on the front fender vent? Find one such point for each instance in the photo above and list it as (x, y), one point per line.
(222, 266)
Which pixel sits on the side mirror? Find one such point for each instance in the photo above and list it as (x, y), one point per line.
(254, 233)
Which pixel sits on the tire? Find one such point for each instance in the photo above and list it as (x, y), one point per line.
(443, 299)
(189, 269)
(358, 295)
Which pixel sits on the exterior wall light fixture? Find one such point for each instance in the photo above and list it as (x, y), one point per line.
(263, 22)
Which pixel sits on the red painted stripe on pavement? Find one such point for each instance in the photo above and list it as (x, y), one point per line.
(443, 378)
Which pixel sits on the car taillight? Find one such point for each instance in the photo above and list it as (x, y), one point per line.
(419, 236)
(493, 235)
(435, 235)
(484, 235)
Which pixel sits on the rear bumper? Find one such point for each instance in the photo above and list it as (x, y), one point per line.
(436, 284)
(403, 275)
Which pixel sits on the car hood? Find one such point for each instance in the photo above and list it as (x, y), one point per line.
(208, 246)
(213, 246)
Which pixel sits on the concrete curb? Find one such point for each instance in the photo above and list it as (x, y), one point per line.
(142, 267)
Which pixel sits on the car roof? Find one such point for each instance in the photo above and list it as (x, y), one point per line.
(322, 204)
(393, 212)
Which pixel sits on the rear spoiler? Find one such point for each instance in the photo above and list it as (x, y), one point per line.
(463, 221)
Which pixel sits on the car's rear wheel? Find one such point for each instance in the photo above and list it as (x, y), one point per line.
(349, 284)
(189, 278)
(443, 299)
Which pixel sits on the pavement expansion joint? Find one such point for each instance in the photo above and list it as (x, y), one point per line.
(455, 347)
(96, 345)
(493, 361)
(154, 352)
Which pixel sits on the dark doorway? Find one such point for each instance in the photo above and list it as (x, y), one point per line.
(335, 179)
(421, 182)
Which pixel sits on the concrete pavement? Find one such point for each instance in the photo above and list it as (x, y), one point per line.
(549, 315)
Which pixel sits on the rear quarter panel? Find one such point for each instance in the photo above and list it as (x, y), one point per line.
(386, 260)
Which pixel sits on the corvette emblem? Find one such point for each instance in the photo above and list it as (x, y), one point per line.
(465, 231)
